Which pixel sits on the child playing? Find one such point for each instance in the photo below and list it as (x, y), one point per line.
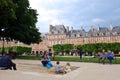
(57, 68)
(67, 68)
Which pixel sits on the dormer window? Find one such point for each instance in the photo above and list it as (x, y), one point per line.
(75, 35)
(86, 34)
(80, 34)
(115, 33)
(103, 34)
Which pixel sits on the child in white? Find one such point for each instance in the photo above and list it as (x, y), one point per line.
(67, 68)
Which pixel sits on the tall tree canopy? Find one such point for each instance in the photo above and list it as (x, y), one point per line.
(7, 13)
(19, 21)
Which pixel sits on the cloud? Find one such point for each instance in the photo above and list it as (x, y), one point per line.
(117, 10)
(61, 1)
(75, 13)
(98, 20)
(46, 14)
(52, 12)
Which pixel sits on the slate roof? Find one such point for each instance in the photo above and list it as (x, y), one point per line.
(58, 29)
(100, 31)
(44, 35)
(116, 29)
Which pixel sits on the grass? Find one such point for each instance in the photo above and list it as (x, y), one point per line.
(70, 58)
(29, 57)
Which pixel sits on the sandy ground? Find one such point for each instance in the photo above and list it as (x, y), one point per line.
(33, 70)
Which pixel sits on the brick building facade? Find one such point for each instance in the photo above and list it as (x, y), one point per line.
(60, 34)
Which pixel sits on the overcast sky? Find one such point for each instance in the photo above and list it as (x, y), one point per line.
(76, 13)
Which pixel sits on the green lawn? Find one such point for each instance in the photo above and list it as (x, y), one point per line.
(70, 58)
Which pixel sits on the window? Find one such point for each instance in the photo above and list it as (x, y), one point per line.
(86, 40)
(102, 39)
(75, 35)
(86, 34)
(115, 38)
(53, 37)
(83, 40)
(108, 38)
(95, 39)
(89, 40)
(59, 37)
(59, 42)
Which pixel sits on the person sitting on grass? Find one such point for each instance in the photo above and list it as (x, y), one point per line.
(102, 56)
(6, 63)
(58, 69)
(110, 56)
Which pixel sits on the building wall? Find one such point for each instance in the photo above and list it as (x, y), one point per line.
(57, 36)
(63, 38)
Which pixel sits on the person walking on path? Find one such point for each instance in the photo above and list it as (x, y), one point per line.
(80, 53)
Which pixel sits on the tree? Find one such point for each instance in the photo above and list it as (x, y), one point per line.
(57, 48)
(67, 48)
(22, 27)
(90, 48)
(7, 13)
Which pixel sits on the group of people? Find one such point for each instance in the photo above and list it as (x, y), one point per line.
(46, 62)
(6, 62)
(65, 69)
(103, 56)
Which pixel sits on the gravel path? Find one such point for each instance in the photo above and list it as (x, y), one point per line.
(33, 70)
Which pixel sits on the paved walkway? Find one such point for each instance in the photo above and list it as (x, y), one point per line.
(33, 70)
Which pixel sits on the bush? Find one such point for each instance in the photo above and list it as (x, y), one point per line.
(18, 49)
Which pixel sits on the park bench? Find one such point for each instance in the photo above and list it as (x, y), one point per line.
(117, 55)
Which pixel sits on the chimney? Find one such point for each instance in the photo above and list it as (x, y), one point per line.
(81, 28)
(50, 28)
(71, 29)
(111, 27)
(92, 28)
(67, 28)
(98, 27)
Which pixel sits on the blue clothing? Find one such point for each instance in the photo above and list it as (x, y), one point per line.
(49, 65)
(57, 68)
(5, 61)
(110, 55)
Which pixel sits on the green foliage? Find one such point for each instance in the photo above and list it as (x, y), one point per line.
(67, 47)
(62, 48)
(57, 48)
(22, 50)
(72, 59)
(7, 12)
(19, 49)
(98, 47)
(79, 47)
(29, 57)
(90, 48)
(19, 21)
